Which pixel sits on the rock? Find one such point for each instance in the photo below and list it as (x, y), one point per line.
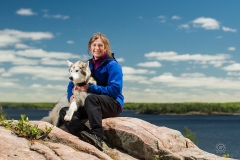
(61, 152)
(59, 136)
(126, 139)
(16, 148)
(44, 150)
(146, 141)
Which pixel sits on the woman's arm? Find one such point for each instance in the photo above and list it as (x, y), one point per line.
(69, 91)
(114, 85)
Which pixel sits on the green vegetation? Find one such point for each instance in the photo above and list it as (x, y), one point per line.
(2, 113)
(25, 105)
(153, 108)
(190, 135)
(24, 129)
(226, 155)
(184, 108)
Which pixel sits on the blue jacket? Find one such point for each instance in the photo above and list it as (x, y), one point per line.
(109, 79)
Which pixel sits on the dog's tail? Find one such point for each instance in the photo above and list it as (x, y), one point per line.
(47, 119)
(53, 116)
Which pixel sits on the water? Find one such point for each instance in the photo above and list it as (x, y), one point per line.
(215, 134)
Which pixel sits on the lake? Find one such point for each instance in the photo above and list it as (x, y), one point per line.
(215, 134)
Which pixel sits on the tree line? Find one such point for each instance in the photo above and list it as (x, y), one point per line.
(152, 108)
(184, 108)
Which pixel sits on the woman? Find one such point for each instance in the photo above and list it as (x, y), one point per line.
(106, 99)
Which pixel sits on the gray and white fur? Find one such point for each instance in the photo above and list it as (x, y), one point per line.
(80, 74)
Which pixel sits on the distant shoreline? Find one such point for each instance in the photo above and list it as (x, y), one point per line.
(203, 114)
(26, 108)
(182, 109)
(191, 114)
(165, 114)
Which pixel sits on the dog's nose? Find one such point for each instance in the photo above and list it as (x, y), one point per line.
(71, 78)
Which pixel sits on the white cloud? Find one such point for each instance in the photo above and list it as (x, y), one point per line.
(46, 73)
(161, 17)
(150, 64)
(232, 67)
(170, 95)
(53, 62)
(40, 53)
(9, 56)
(233, 74)
(22, 46)
(2, 70)
(140, 17)
(226, 29)
(193, 80)
(9, 84)
(11, 37)
(6, 75)
(130, 70)
(176, 17)
(70, 42)
(25, 12)
(173, 56)
(12, 91)
(231, 48)
(184, 26)
(219, 37)
(6, 40)
(204, 66)
(120, 59)
(206, 23)
(152, 72)
(48, 86)
(217, 63)
(192, 75)
(28, 57)
(134, 78)
(57, 16)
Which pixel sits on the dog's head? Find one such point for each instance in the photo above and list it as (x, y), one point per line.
(79, 71)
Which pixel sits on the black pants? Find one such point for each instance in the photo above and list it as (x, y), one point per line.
(96, 107)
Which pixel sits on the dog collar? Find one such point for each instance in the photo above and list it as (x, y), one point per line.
(83, 83)
(76, 88)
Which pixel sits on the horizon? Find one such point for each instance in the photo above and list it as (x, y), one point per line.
(170, 51)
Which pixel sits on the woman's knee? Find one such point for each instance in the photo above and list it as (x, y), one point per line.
(92, 98)
(91, 103)
(63, 111)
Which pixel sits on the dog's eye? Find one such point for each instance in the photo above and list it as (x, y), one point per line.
(77, 70)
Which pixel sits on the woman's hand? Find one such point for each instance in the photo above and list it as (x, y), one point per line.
(84, 88)
(71, 98)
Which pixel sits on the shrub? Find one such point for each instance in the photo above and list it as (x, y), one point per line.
(190, 135)
(23, 129)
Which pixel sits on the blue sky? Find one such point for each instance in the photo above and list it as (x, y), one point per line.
(170, 51)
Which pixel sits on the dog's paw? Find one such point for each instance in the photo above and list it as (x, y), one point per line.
(68, 117)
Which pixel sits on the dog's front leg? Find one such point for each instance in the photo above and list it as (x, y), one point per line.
(71, 110)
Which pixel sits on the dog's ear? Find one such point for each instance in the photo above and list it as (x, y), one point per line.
(86, 64)
(69, 63)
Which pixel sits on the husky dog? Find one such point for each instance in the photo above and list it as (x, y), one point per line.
(80, 75)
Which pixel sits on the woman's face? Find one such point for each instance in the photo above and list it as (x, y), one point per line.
(97, 48)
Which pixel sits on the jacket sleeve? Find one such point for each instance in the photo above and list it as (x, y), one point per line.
(69, 90)
(114, 85)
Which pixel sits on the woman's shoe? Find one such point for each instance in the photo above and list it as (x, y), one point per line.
(92, 139)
